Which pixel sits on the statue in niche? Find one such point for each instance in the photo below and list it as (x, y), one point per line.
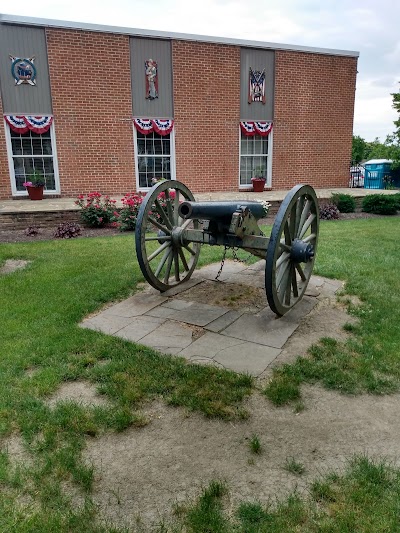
(151, 79)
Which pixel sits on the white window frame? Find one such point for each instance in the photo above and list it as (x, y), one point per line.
(10, 156)
(172, 158)
(268, 177)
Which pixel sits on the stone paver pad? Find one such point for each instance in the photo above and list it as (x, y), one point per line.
(168, 335)
(247, 357)
(198, 314)
(139, 327)
(106, 324)
(209, 345)
(223, 321)
(136, 305)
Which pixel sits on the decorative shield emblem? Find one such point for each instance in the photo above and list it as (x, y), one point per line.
(23, 70)
(256, 86)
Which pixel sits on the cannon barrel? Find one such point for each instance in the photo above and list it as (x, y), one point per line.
(218, 210)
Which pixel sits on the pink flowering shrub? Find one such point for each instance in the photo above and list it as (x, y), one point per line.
(125, 218)
(96, 209)
(163, 201)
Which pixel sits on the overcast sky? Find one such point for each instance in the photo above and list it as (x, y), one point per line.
(367, 26)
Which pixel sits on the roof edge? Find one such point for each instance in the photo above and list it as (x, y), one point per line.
(64, 24)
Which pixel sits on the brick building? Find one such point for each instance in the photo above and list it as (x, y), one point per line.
(108, 109)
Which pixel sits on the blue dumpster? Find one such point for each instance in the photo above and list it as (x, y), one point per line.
(375, 171)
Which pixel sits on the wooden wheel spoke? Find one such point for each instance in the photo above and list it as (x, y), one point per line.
(306, 225)
(285, 281)
(299, 210)
(288, 289)
(281, 273)
(301, 272)
(303, 216)
(168, 267)
(187, 247)
(186, 223)
(310, 237)
(168, 203)
(158, 225)
(294, 282)
(183, 259)
(286, 230)
(162, 213)
(158, 251)
(176, 264)
(162, 238)
(281, 259)
(284, 246)
(167, 253)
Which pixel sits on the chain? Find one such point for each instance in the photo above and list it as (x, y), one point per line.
(222, 264)
(236, 258)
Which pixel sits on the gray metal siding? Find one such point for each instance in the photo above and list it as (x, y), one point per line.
(160, 51)
(24, 42)
(257, 60)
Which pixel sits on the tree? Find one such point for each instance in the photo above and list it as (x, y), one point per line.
(358, 149)
(396, 134)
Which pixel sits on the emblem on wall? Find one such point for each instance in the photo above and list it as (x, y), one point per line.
(23, 70)
(150, 67)
(256, 86)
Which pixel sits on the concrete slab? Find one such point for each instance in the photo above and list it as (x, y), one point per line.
(136, 305)
(248, 357)
(230, 267)
(223, 321)
(194, 280)
(139, 327)
(209, 345)
(198, 314)
(257, 330)
(177, 305)
(106, 323)
(168, 336)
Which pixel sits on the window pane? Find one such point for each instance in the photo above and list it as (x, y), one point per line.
(153, 155)
(27, 145)
(253, 157)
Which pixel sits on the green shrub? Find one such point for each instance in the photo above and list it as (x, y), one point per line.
(396, 198)
(344, 202)
(380, 204)
(96, 210)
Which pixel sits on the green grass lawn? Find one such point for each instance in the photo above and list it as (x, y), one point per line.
(42, 347)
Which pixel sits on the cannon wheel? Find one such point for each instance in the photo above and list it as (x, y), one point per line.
(291, 249)
(164, 261)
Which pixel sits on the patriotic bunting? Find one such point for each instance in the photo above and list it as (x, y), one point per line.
(146, 126)
(256, 128)
(21, 124)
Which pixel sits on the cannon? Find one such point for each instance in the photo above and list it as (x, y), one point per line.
(171, 227)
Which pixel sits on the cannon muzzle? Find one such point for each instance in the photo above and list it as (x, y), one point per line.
(221, 211)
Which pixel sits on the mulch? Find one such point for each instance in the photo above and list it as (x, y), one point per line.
(48, 233)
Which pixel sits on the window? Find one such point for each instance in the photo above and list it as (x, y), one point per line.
(30, 152)
(254, 157)
(154, 157)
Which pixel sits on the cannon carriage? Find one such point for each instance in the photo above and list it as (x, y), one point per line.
(171, 227)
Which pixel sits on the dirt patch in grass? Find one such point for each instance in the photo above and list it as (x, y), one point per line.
(11, 265)
(242, 297)
(80, 392)
(141, 474)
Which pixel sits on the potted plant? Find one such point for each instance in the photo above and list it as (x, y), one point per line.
(35, 186)
(258, 180)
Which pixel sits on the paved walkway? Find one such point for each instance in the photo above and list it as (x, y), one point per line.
(210, 334)
(68, 204)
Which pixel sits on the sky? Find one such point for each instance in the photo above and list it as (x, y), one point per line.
(367, 26)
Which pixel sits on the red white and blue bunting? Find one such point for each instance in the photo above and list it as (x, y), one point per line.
(146, 126)
(22, 124)
(256, 128)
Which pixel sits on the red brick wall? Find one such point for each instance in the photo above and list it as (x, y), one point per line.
(92, 106)
(5, 186)
(313, 121)
(206, 81)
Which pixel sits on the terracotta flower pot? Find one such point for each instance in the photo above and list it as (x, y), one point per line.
(35, 193)
(258, 184)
